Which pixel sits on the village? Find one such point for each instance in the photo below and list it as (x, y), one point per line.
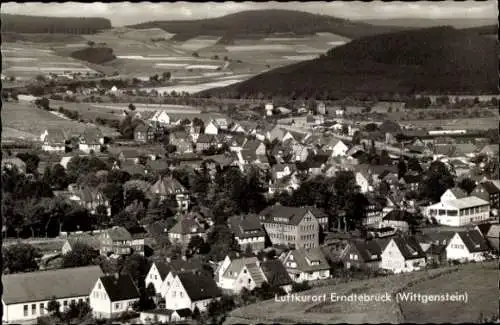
(186, 219)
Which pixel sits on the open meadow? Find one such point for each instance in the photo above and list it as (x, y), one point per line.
(26, 119)
(480, 290)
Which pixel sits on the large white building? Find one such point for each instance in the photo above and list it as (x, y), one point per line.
(459, 212)
(113, 295)
(26, 296)
(467, 246)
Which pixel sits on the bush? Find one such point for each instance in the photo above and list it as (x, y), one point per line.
(301, 286)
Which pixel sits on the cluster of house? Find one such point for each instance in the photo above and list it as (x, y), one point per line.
(57, 140)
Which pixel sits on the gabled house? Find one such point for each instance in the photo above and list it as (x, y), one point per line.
(156, 275)
(454, 193)
(91, 140)
(54, 140)
(89, 198)
(287, 183)
(397, 219)
(491, 232)
(160, 117)
(459, 212)
(253, 151)
(280, 171)
(490, 150)
(248, 231)
(164, 316)
(206, 141)
(113, 295)
(237, 142)
(410, 182)
(235, 274)
(361, 254)
(276, 274)
(81, 239)
(189, 290)
(338, 148)
(170, 187)
(26, 296)
(306, 264)
(402, 254)
(488, 191)
(182, 141)
(213, 127)
(185, 229)
(467, 246)
(144, 133)
(297, 227)
(116, 240)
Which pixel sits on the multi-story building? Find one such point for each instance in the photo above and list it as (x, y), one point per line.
(248, 231)
(459, 212)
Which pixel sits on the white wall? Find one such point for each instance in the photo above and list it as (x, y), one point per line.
(211, 129)
(393, 260)
(154, 277)
(176, 296)
(456, 250)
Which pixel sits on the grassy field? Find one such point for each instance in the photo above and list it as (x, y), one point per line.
(26, 118)
(447, 280)
(456, 124)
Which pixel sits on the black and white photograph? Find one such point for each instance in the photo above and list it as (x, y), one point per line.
(250, 162)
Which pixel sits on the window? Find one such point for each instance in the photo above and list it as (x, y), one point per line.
(98, 286)
(117, 305)
(155, 277)
(181, 294)
(33, 309)
(25, 308)
(80, 300)
(73, 301)
(42, 308)
(173, 294)
(65, 303)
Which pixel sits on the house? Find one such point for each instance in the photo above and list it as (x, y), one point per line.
(11, 162)
(156, 275)
(248, 231)
(306, 264)
(467, 246)
(81, 239)
(287, 183)
(235, 274)
(237, 142)
(54, 140)
(402, 254)
(276, 274)
(89, 198)
(269, 109)
(454, 193)
(252, 150)
(282, 170)
(361, 254)
(397, 219)
(459, 212)
(321, 108)
(215, 126)
(91, 140)
(189, 290)
(490, 150)
(410, 182)
(206, 141)
(185, 229)
(116, 240)
(297, 227)
(113, 295)
(493, 236)
(164, 316)
(236, 127)
(363, 181)
(300, 152)
(166, 187)
(337, 147)
(26, 296)
(488, 191)
(182, 141)
(160, 117)
(374, 212)
(144, 133)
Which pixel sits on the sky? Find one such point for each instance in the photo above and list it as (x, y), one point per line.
(126, 13)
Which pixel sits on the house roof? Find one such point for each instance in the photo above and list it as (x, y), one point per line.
(287, 215)
(92, 135)
(179, 265)
(183, 313)
(458, 192)
(246, 226)
(484, 228)
(56, 136)
(398, 215)
(163, 269)
(199, 286)
(276, 273)
(167, 186)
(43, 285)
(187, 225)
(490, 149)
(237, 265)
(369, 251)
(85, 239)
(473, 241)
(206, 138)
(490, 187)
(304, 256)
(409, 247)
(118, 233)
(120, 287)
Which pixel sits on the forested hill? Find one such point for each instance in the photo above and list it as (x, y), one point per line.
(437, 60)
(261, 23)
(53, 25)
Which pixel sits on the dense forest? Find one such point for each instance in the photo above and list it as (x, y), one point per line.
(53, 25)
(96, 55)
(437, 60)
(261, 23)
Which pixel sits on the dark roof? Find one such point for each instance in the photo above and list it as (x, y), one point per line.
(187, 226)
(118, 233)
(246, 226)
(275, 272)
(398, 215)
(199, 286)
(180, 265)
(484, 228)
(474, 241)
(409, 247)
(163, 269)
(184, 312)
(293, 215)
(369, 251)
(92, 136)
(120, 287)
(490, 187)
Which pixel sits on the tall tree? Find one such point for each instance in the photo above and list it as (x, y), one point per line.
(20, 258)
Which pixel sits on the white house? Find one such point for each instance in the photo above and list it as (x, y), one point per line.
(467, 246)
(459, 212)
(211, 128)
(190, 290)
(363, 181)
(248, 231)
(112, 295)
(157, 275)
(164, 316)
(396, 219)
(338, 147)
(234, 275)
(453, 194)
(26, 296)
(269, 109)
(91, 140)
(402, 254)
(161, 117)
(306, 264)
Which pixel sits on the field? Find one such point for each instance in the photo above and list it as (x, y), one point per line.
(479, 281)
(456, 124)
(26, 61)
(26, 120)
